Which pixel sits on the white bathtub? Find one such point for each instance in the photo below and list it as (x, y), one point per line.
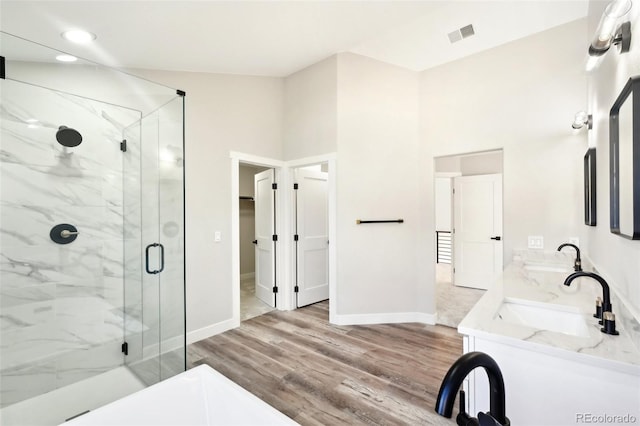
(200, 396)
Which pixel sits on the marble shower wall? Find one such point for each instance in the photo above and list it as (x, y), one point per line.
(61, 305)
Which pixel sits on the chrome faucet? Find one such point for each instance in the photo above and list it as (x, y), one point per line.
(603, 309)
(577, 265)
(453, 380)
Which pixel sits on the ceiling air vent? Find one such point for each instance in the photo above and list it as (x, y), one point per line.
(461, 33)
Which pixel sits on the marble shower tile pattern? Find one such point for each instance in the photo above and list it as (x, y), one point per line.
(59, 302)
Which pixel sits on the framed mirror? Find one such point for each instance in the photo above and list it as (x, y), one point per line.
(590, 187)
(624, 161)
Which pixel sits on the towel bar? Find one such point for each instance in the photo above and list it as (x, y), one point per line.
(358, 221)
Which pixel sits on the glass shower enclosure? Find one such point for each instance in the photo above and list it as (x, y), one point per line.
(92, 296)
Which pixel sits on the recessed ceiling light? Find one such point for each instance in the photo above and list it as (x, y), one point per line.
(78, 36)
(66, 58)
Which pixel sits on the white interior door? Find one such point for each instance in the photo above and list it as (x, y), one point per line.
(312, 228)
(265, 229)
(477, 237)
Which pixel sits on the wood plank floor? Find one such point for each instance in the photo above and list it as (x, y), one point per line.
(321, 374)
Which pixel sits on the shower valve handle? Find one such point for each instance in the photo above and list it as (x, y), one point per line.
(63, 233)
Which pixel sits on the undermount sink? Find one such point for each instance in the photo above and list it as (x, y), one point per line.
(547, 267)
(542, 316)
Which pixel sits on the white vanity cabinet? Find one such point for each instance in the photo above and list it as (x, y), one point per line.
(546, 389)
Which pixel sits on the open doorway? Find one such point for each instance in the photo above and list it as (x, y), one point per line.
(468, 202)
(257, 257)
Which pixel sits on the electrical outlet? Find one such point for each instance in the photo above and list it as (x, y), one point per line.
(535, 242)
(217, 237)
(575, 241)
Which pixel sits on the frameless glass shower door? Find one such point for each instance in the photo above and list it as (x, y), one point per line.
(155, 251)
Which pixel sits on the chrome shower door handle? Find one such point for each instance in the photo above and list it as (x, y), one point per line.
(146, 258)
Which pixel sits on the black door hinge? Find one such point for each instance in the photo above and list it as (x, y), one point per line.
(295, 237)
(275, 289)
(296, 289)
(123, 145)
(2, 69)
(295, 186)
(274, 237)
(274, 186)
(125, 348)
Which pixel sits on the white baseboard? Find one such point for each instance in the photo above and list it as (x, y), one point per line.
(247, 276)
(211, 330)
(384, 318)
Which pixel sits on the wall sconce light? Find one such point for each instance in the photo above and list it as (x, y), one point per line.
(609, 32)
(581, 119)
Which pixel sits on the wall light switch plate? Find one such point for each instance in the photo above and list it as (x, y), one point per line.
(535, 242)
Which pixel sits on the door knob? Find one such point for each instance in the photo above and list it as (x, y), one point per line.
(496, 238)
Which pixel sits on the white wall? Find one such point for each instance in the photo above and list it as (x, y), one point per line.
(481, 164)
(379, 265)
(223, 113)
(521, 97)
(448, 164)
(389, 125)
(616, 258)
(310, 116)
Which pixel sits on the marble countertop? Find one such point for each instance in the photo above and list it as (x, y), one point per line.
(520, 283)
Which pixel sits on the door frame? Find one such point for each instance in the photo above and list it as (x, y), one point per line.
(452, 175)
(284, 222)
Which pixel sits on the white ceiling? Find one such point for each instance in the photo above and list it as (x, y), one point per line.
(277, 38)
